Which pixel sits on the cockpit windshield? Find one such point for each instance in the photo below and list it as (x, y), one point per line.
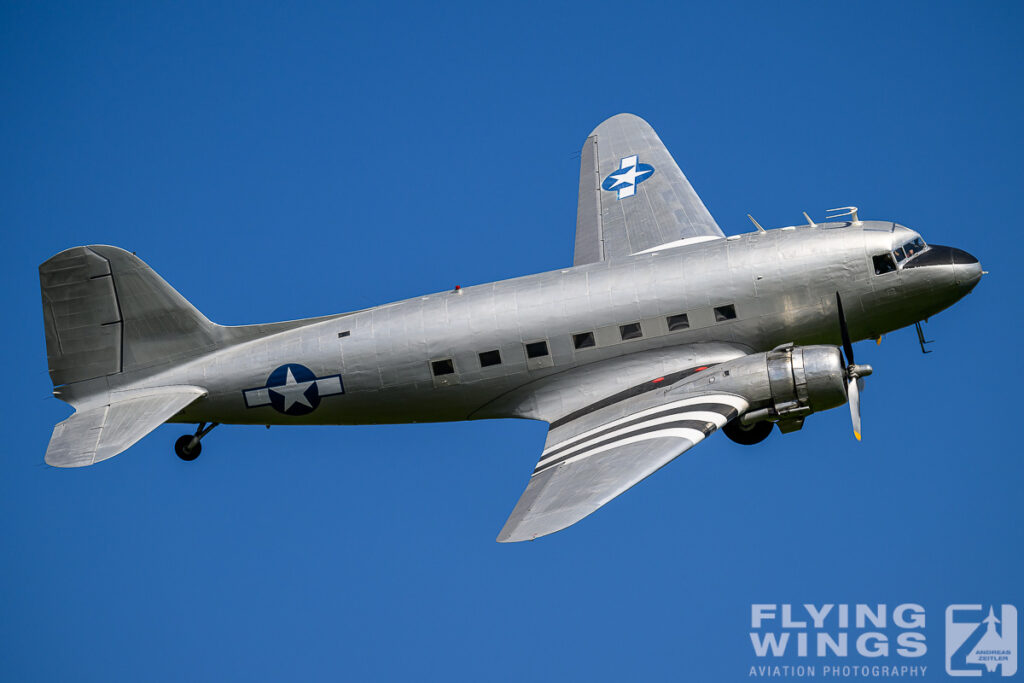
(914, 247)
(888, 262)
(909, 250)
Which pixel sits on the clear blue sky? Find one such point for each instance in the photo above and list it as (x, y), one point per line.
(290, 160)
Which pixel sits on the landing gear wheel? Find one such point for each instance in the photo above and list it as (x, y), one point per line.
(183, 447)
(188, 446)
(748, 436)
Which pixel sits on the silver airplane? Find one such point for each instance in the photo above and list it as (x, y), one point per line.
(663, 331)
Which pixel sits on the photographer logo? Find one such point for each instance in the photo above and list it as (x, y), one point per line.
(981, 641)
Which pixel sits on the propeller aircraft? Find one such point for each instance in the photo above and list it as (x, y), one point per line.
(663, 331)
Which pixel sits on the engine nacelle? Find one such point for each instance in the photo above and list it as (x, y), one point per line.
(809, 376)
(802, 380)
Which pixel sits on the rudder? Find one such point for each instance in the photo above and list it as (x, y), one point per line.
(105, 312)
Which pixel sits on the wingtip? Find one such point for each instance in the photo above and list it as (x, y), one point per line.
(510, 536)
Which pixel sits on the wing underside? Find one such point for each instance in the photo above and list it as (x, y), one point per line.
(632, 194)
(595, 456)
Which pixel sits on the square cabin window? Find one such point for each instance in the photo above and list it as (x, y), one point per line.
(678, 322)
(489, 358)
(630, 331)
(444, 366)
(884, 263)
(583, 340)
(723, 313)
(537, 349)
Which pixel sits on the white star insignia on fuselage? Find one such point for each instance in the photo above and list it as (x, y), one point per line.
(287, 393)
(292, 391)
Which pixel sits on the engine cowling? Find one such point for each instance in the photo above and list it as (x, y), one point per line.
(802, 380)
(806, 377)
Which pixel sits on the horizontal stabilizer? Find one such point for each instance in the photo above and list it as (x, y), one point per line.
(104, 430)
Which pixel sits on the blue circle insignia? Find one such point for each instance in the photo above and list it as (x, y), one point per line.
(293, 390)
(623, 181)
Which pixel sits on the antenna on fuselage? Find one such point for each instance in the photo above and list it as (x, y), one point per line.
(809, 221)
(845, 211)
(759, 228)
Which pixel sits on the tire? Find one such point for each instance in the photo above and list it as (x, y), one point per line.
(748, 436)
(182, 449)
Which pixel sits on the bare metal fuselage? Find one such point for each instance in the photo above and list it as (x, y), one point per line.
(782, 284)
(663, 332)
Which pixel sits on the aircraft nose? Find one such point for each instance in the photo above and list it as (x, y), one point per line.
(948, 269)
(966, 268)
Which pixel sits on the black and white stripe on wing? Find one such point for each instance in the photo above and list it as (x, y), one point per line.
(691, 419)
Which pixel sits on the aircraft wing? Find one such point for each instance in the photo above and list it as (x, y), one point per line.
(598, 452)
(632, 195)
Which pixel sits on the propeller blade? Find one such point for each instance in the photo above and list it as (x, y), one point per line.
(844, 331)
(854, 373)
(853, 393)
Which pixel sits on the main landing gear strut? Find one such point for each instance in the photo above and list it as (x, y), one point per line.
(188, 446)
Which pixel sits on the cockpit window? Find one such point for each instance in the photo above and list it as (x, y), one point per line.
(884, 263)
(899, 254)
(914, 247)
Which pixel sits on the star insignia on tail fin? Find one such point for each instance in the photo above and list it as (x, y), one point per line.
(630, 174)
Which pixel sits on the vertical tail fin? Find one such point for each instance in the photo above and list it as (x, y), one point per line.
(632, 195)
(106, 312)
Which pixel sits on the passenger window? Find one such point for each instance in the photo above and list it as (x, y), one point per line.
(899, 254)
(537, 349)
(630, 331)
(884, 263)
(442, 367)
(723, 313)
(583, 340)
(489, 358)
(678, 322)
